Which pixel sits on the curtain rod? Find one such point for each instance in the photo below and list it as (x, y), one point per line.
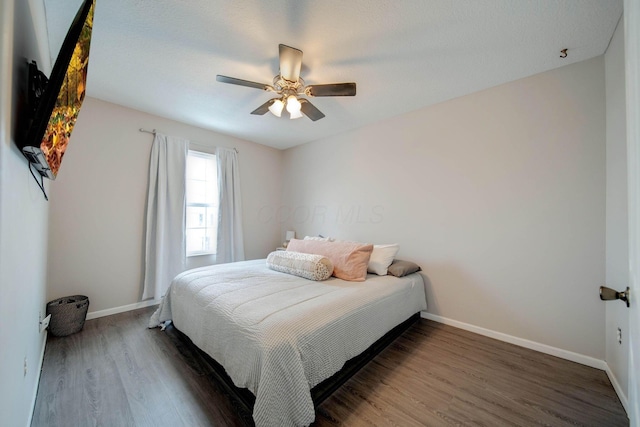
(153, 132)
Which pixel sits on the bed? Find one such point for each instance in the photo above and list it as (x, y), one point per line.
(279, 335)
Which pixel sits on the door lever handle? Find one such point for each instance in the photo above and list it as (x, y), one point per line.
(607, 294)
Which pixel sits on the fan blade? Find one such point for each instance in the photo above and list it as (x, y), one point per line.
(333, 89)
(310, 110)
(290, 63)
(240, 82)
(261, 110)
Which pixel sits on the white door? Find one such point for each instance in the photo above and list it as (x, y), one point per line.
(632, 71)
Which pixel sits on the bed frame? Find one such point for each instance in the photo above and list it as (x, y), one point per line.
(243, 400)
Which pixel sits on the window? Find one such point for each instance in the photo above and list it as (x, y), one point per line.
(202, 203)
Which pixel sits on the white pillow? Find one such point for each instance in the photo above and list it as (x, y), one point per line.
(381, 258)
(319, 238)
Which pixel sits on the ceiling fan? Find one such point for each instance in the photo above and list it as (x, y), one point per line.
(289, 86)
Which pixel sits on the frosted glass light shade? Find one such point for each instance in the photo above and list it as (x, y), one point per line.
(295, 114)
(290, 235)
(293, 105)
(276, 108)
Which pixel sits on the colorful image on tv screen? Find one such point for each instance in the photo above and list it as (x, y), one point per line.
(64, 115)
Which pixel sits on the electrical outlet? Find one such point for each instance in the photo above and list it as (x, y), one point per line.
(619, 336)
(25, 366)
(44, 323)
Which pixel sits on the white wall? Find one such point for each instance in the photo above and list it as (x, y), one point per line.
(99, 197)
(498, 195)
(617, 253)
(23, 224)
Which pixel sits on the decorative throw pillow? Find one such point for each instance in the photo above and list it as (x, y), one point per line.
(381, 258)
(401, 268)
(309, 266)
(319, 238)
(350, 260)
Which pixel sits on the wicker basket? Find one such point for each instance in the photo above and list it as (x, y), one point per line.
(67, 314)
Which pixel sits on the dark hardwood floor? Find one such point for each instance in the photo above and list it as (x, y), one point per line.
(116, 372)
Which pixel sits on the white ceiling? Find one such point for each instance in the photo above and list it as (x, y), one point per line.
(162, 56)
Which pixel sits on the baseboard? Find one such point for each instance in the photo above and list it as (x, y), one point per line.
(35, 389)
(622, 395)
(543, 348)
(121, 309)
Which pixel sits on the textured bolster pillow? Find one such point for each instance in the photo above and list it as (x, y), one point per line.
(309, 266)
(349, 259)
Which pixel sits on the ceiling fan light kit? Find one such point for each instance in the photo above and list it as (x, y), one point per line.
(289, 86)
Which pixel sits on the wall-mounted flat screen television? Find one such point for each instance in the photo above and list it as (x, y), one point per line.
(54, 103)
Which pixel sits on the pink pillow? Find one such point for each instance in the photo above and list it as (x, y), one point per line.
(350, 259)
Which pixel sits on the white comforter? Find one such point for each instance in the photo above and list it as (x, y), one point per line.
(280, 335)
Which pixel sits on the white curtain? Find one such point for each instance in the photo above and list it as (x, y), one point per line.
(165, 253)
(230, 244)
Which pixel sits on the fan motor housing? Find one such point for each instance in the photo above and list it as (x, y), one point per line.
(282, 85)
